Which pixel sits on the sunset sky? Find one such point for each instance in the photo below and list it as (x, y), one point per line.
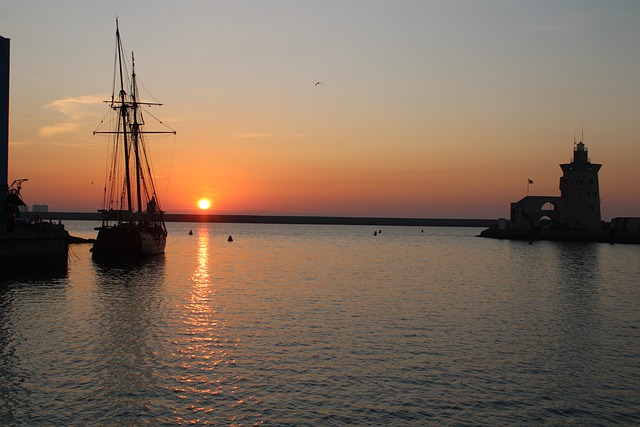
(438, 108)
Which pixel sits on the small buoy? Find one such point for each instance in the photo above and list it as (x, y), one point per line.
(230, 239)
(190, 232)
(375, 233)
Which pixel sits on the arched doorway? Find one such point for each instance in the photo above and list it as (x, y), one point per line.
(549, 216)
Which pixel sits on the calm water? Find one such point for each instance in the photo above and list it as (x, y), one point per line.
(327, 325)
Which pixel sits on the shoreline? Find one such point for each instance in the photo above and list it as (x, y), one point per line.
(490, 226)
(285, 219)
(601, 236)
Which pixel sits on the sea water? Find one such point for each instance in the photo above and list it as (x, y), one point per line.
(326, 325)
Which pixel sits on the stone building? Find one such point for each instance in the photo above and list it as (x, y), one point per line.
(577, 207)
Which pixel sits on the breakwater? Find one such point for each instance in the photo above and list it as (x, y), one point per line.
(285, 219)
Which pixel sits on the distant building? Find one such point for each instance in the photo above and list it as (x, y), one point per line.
(577, 207)
(40, 208)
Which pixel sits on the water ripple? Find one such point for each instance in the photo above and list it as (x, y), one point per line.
(306, 325)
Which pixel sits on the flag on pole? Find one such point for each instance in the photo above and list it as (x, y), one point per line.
(530, 182)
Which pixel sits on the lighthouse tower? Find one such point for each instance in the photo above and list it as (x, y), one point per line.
(580, 189)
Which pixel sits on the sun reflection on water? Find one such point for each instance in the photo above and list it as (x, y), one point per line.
(201, 275)
(202, 351)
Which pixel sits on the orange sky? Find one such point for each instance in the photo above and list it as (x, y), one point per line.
(427, 109)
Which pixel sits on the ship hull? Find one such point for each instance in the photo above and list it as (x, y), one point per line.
(128, 241)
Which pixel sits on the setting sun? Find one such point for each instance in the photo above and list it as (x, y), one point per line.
(204, 204)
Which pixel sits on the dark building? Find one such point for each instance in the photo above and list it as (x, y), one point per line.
(25, 244)
(580, 188)
(577, 207)
(4, 119)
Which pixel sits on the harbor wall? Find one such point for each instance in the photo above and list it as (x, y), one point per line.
(286, 219)
(34, 245)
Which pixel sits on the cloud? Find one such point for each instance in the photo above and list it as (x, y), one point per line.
(76, 111)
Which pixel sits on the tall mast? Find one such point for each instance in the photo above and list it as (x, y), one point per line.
(129, 127)
(124, 116)
(135, 128)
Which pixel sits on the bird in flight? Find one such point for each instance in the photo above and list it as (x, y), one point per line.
(318, 83)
